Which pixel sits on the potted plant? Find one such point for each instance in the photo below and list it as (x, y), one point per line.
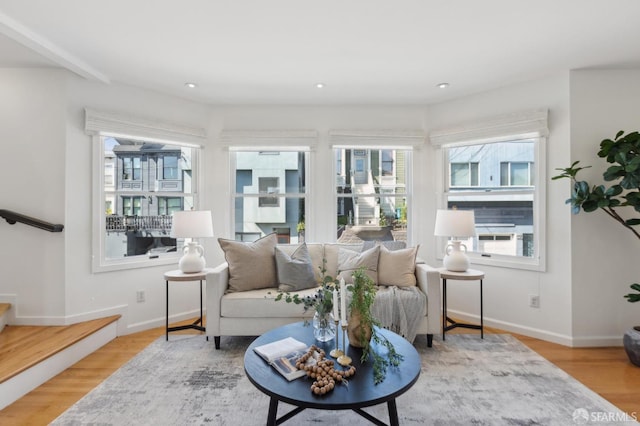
(361, 327)
(623, 153)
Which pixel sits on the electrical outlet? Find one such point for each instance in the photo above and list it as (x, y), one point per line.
(140, 296)
(534, 301)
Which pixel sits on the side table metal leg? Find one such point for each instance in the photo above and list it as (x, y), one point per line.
(166, 332)
(201, 317)
(444, 307)
(481, 314)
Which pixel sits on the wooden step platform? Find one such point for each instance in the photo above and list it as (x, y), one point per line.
(22, 347)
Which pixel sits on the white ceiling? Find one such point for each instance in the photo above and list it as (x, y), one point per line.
(364, 51)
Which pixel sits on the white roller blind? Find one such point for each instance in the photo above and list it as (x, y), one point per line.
(372, 138)
(275, 140)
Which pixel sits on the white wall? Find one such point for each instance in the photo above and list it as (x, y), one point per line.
(506, 291)
(58, 154)
(605, 254)
(32, 137)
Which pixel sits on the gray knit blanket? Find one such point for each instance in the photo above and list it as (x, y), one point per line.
(399, 309)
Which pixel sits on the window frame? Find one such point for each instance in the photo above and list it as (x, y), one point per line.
(278, 196)
(535, 263)
(101, 124)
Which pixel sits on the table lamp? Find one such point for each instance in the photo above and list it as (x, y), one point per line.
(455, 223)
(192, 224)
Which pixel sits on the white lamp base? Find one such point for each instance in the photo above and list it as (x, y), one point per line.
(456, 260)
(193, 259)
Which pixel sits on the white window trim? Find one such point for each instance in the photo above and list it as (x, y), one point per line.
(252, 140)
(526, 125)
(99, 124)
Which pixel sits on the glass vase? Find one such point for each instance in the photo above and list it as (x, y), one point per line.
(324, 327)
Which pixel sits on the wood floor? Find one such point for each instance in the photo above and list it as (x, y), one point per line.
(607, 371)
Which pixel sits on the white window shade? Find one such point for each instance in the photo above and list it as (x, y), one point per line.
(372, 138)
(119, 124)
(522, 125)
(275, 140)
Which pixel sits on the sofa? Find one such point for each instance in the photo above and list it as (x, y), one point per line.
(240, 292)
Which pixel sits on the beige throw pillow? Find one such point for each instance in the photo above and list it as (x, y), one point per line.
(349, 261)
(251, 265)
(295, 272)
(397, 267)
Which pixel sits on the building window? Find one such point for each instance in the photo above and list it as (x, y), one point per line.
(498, 181)
(516, 173)
(170, 167)
(168, 205)
(270, 194)
(131, 168)
(270, 186)
(464, 174)
(372, 194)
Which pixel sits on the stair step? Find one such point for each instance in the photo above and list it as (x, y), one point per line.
(31, 355)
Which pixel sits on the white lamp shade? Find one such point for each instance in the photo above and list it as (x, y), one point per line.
(455, 223)
(192, 224)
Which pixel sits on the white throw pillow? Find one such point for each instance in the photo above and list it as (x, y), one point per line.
(397, 267)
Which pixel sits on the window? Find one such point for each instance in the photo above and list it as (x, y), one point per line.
(131, 168)
(168, 205)
(268, 185)
(464, 174)
(372, 194)
(269, 193)
(508, 198)
(502, 195)
(514, 173)
(170, 167)
(132, 204)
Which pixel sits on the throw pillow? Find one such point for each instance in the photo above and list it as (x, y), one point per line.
(251, 265)
(349, 261)
(295, 272)
(397, 267)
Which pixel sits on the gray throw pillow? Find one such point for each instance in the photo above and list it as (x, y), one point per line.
(295, 272)
(251, 265)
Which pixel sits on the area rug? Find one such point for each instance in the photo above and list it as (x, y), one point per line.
(464, 381)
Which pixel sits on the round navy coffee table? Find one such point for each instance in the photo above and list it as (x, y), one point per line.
(361, 391)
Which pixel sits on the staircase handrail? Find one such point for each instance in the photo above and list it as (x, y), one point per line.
(12, 218)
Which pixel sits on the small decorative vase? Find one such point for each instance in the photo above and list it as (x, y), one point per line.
(324, 327)
(355, 330)
(631, 342)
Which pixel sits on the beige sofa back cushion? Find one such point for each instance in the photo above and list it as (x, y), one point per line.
(251, 265)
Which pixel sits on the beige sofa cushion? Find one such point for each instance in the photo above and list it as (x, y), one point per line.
(349, 261)
(251, 265)
(260, 304)
(397, 267)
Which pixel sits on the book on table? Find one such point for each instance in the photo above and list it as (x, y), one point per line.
(282, 355)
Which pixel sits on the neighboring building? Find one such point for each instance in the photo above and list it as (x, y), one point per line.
(145, 183)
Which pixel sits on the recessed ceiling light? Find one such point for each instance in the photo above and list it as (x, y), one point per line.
(442, 85)
(191, 85)
(320, 85)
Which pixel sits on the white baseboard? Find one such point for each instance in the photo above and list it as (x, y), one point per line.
(16, 387)
(561, 339)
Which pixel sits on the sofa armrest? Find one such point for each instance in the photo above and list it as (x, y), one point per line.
(428, 279)
(217, 283)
